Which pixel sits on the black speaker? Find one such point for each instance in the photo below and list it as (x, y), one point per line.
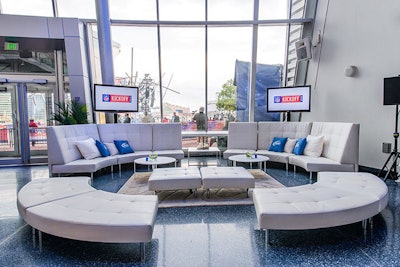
(391, 91)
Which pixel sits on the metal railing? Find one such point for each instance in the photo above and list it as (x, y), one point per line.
(37, 136)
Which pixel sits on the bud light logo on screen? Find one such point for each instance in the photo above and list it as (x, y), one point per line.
(288, 99)
(116, 98)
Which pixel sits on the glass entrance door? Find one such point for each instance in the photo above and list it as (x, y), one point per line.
(25, 109)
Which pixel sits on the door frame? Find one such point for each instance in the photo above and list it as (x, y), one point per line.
(20, 82)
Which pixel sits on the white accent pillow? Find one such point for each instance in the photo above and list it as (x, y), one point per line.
(88, 148)
(314, 146)
(289, 145)
(112, 148)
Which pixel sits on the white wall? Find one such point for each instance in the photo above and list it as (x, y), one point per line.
(364, 33)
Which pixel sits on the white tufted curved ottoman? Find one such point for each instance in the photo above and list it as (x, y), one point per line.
(71, 208)
(226, 177)
(337, 198)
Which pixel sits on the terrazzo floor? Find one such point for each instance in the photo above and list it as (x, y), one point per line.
(201, 236)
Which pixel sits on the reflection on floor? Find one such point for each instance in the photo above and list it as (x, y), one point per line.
(201, 236)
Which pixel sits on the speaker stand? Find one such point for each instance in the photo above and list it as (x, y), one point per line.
(394, 155)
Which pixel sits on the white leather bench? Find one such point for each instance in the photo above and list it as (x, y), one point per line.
(175, 179)
(337, 198)
(226, 177)
(71, 208)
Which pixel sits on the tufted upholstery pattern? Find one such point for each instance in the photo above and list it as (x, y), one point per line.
(340, 149)
(69, 208)
(64, 157)
(97, 216)
(336, 199)
(175, 178)
(357, 182)
(41, 191)
(167, 136)
(226, 177)
(61, 140)
(139, 135)
(340, 140)
(268, 130)
(242, 137)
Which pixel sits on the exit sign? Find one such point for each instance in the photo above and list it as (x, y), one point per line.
(11, 46)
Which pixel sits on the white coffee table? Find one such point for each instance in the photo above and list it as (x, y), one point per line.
(153, 162)
(242, 158)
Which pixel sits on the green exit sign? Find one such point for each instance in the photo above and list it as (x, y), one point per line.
(11, 46)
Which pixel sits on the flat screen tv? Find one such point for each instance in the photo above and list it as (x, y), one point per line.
(282, 99)
(391, 91)
(115, 98)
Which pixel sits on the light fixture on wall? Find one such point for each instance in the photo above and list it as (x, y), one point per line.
(350, 71)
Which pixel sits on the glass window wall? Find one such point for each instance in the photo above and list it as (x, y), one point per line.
(133, 9)
(196, 62)
(27, 7)
(220, 10)
(182, 10)
(83, 9)
(136, 64)
(273, 9)
(183, 72)
(226, 46)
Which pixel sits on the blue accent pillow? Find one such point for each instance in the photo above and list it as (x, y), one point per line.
(278, 144)
(123, 146)
(102, 148)
(299, 147)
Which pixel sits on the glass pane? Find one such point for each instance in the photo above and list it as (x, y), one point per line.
(190, 10)
(271, 45)
(28, 7)
(133, 9)
(183, 61)
(227, 47)
(136, 63)
(8, 120)
(83, 9)
(94, 51)
(27, 61)
(270, 61)
(40, 107)
(230, 10)
(273, 9)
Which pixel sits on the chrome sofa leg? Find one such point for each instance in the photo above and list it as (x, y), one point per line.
(142, 252)
(34, 237)
(40, 240)
(267, 237)
(195, 193)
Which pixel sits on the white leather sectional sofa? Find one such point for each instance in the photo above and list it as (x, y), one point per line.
(64, 156)
(340, 143)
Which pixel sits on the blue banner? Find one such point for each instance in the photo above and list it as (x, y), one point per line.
(266, 76)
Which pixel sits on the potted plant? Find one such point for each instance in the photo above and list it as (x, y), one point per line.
(70, 113)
